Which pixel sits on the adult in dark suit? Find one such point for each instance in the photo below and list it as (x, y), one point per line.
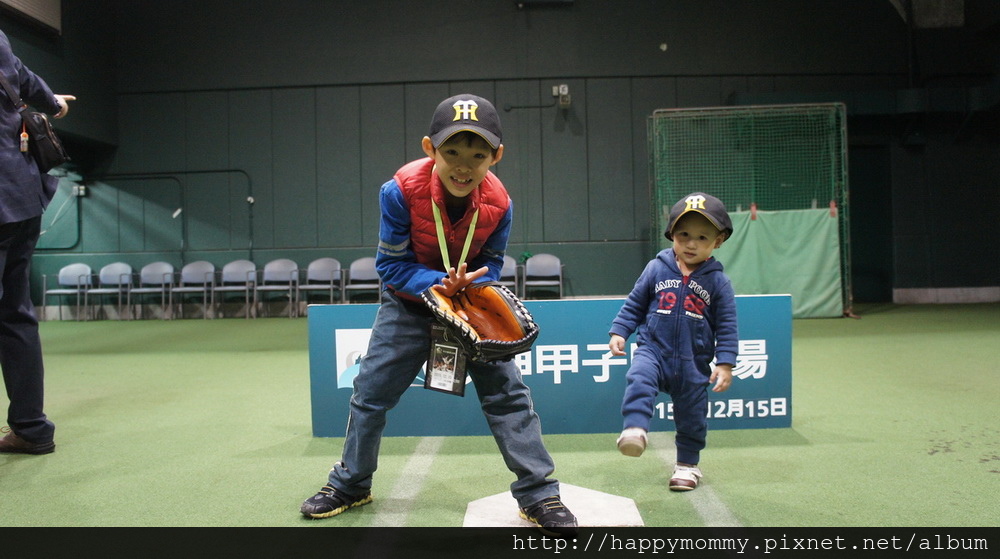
(24, 194)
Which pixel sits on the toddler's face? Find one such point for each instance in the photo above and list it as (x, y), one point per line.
(695, 238)
(462, 163)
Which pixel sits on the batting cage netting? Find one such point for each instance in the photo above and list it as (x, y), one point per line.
(781, 171)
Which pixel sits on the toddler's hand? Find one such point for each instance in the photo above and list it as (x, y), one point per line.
(722, 376)
(617, 345)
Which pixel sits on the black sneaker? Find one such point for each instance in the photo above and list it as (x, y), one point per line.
(331, 502)
(552, 517)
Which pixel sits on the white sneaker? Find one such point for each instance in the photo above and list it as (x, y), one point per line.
(685, 478)
(632, 441)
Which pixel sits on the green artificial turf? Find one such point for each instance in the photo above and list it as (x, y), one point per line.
(207, 423)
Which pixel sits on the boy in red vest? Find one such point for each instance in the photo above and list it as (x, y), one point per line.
(445, 220)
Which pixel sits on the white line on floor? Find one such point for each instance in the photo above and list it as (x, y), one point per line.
(403, 495)
(705, 500)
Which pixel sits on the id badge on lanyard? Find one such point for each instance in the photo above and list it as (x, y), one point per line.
(446, 363)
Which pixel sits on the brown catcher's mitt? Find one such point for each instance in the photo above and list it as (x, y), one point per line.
(495, 325)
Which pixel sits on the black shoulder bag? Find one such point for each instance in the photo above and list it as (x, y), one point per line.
(37, 134)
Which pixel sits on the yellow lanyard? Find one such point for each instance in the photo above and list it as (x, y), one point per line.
(443, 242)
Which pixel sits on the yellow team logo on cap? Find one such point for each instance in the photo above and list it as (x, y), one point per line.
(695, 203)
(465, 110)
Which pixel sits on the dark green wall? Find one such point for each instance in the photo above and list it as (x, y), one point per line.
(312, 159)
(81, 62)
(309, 106)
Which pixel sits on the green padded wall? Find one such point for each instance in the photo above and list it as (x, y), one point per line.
(765, 160)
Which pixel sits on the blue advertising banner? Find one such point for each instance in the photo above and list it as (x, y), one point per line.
(576, 384)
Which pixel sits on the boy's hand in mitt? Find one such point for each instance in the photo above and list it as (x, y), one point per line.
(486, 318)
(458, 279)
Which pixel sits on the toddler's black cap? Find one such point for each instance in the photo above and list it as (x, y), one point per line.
(705, 204)
(466, 112)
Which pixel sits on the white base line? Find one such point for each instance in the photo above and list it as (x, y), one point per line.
(706, 501)
(409, 485)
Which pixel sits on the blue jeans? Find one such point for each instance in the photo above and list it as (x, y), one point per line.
(399, 346)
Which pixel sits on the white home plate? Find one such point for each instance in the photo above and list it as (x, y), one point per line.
(592, 508)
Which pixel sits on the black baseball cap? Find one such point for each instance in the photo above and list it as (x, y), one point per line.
(705, 204)
(466, 112)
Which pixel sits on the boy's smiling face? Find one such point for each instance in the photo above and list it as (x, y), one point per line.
(462, 162)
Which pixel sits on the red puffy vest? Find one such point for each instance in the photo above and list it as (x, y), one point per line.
(419, 185)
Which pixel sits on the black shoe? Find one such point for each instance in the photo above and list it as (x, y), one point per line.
(12, 444)
(331, 502)
(552, 517)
